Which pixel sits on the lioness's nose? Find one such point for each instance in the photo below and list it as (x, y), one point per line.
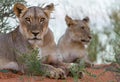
(35, 33)
(90, 37)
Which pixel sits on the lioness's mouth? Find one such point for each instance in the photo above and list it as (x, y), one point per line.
(35, 38)
(85, 41)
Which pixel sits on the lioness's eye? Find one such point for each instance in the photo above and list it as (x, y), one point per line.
(27, 19)
(42, 20)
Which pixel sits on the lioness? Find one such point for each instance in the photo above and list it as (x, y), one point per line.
(33, 32)
(71, 45)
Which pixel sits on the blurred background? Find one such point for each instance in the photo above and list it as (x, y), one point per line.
(104, 23)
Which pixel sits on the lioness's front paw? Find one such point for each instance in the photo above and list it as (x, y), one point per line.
(57, 73)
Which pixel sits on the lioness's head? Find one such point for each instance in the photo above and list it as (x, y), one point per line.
(33, 21)
(78, 29)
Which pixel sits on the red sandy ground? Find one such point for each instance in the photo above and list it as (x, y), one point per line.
(102, 77)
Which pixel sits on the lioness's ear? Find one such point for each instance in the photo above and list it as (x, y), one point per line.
(86, 19)
(18, 9)
(48, 9)
(69, 21)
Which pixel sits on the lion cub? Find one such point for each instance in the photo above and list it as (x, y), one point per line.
(71, 45)
(32, 32)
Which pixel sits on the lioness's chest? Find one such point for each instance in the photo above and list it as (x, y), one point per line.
(69, 54)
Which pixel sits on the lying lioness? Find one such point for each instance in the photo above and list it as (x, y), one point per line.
(71, 45)
(32, 33)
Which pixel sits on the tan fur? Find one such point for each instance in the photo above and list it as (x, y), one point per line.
(32, 33)
(71, 45)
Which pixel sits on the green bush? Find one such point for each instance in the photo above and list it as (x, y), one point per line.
(6, 12)
(32, 62)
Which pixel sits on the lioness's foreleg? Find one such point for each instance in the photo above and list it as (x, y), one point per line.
(69, 68)
(6, 64)
(46, 70)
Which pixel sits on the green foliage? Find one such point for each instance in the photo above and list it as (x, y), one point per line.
(6, 12)
(4, 71)
(93, 48)
(115, 17)
(77, 71)
(96, 47)
(116, 42)
(32, 62)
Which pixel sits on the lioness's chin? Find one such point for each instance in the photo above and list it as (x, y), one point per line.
(85, 43)
(38, 43)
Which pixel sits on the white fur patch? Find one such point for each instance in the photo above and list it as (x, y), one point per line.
(11, 65)
(40, 53)
(86, 46)
(72, 64)
(36, 43)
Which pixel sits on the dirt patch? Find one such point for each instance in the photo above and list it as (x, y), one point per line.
(100, 76)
